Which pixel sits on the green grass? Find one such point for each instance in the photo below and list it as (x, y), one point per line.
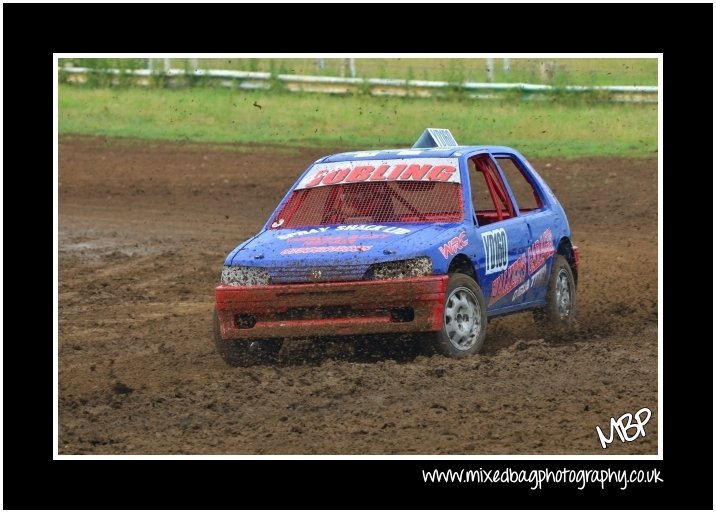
(567, 71)
(218, 115)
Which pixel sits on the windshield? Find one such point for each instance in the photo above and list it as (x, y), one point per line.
(393, 191)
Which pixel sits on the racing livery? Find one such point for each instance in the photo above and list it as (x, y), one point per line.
(432, 240)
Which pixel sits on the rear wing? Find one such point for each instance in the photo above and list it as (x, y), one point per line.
(435, 138)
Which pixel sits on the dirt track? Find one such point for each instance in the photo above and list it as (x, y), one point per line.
(144, 228)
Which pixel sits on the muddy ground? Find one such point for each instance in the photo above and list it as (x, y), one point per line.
(143, 231)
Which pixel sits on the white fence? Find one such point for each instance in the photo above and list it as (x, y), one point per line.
(374, 86)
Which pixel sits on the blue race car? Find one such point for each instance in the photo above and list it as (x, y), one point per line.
(432, 240)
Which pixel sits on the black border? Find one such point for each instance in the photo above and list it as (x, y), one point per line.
(32, 480)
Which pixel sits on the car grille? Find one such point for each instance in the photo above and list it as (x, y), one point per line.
(317, 273)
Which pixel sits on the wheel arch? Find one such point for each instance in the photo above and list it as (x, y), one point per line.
(461, 263)
(564, 248)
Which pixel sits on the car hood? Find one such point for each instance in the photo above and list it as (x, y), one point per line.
(339, 252)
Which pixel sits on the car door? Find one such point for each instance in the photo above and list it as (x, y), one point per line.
(540, 221)
(504, 235)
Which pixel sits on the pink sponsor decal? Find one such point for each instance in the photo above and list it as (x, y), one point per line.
(325, 249)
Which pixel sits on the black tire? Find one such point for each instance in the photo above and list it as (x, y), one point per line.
(464, 318)
(561, 307)
(245, 353)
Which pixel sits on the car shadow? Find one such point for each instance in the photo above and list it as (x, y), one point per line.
(354, 349)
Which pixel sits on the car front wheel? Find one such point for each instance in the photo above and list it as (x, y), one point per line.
(464, 318)
(244, 353)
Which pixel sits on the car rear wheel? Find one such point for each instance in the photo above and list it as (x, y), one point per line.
(244, 353)
(561, 307)
(464, 318)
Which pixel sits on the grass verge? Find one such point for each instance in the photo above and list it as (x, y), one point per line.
(537, 128)
(563, 71)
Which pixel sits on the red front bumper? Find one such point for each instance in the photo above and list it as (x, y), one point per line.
(335, 308)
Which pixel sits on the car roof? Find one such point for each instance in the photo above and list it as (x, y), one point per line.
(400, 153)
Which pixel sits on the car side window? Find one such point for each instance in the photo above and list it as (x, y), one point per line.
(490, 199)
(522, 188)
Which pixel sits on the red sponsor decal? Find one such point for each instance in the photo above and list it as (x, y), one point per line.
(537, 254)
(508, 280)
(430, 172)
(540, 251)
(454, 245)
